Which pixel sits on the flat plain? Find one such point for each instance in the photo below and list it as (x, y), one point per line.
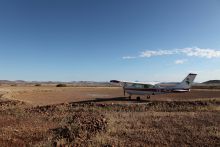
(102, 116)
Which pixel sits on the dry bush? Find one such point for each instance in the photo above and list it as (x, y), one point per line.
(78, 128)
(61, 85)
(37, 85)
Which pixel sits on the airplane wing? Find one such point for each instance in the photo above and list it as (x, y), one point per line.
(128, 82)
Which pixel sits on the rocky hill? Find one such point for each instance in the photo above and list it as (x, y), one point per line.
(212, 82)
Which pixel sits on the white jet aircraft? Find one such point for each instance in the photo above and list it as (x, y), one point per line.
(138, 88)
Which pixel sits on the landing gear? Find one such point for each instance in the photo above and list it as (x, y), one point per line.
(129, 97)
(148, 97)
(138, 98)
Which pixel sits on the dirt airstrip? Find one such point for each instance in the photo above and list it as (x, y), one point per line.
(56, 95)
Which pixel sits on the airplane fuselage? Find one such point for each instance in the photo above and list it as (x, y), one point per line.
(153, 91)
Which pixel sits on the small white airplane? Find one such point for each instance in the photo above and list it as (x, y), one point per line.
(138, 88)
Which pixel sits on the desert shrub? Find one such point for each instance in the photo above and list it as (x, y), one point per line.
(78, 128)
(13, 84)
(37, 85)
(61, 85)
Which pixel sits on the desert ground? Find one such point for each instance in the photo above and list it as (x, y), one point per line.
(47, 95)
(102, 116)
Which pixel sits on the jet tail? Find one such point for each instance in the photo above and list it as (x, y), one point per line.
(187, 82)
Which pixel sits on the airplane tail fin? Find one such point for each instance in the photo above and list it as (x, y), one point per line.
(187, 82)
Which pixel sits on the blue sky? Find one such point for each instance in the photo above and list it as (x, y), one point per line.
(100, 40)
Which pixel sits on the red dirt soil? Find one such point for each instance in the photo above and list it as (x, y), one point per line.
(56, 95)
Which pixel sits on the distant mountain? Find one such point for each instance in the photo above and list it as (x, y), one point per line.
(20, 81)
(5, 82)
(10, 82)
(73, 83)
(212, 82)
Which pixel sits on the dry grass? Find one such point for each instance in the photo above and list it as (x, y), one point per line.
(161, 129)
(110, 125)
(107, 121)
(24, 125)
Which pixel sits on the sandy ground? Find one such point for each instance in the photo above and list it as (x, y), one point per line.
(56, 95)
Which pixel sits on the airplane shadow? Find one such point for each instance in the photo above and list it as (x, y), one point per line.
(114, 99)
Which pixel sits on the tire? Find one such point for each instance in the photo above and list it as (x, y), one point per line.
(138, 98)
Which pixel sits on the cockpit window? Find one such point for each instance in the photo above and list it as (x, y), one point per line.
(137, 85)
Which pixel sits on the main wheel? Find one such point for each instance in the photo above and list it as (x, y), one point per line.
(148, 97)
(129, 97)
(138, 98)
